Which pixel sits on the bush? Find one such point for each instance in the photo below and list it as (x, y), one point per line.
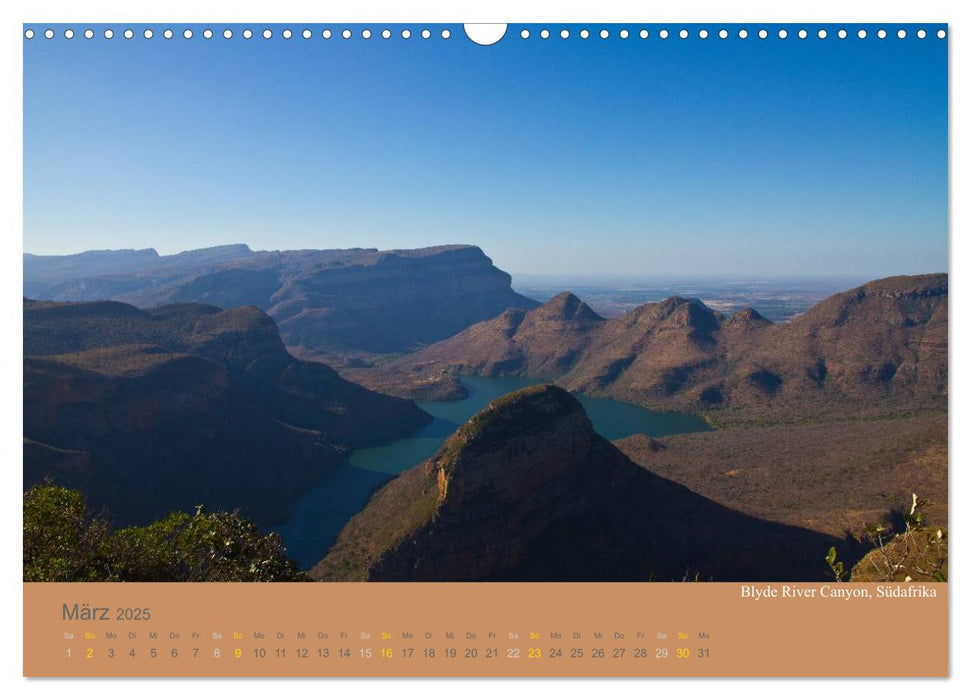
(918, 553)
(64, 542)
(61, 541)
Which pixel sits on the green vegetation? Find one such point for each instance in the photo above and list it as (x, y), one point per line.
(61, 541)
(839, 571)
(918, 553)
(64, 541)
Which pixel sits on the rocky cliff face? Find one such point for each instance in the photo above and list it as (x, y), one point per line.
(325, 302)
(150, 411)
(526, 490)
(877, 349)
(396, 301)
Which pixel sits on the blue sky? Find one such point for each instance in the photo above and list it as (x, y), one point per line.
(707, 157)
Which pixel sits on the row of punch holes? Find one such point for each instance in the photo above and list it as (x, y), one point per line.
(149, 33)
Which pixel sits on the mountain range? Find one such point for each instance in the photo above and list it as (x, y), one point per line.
(875, 350)
(153, 410)
(328, 304)
(200, 384)
(527, 491)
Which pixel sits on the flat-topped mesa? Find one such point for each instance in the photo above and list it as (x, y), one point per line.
(213, 254)
(43, 272)
(105, 254)
(396, 304)
(467, 249)
(327, 303)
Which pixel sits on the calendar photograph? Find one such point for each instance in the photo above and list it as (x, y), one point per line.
(584, 303)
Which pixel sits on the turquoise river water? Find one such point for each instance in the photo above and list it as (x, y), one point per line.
(320, 514)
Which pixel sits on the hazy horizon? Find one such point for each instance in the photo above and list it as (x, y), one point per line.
(582, 276)
(629, 157)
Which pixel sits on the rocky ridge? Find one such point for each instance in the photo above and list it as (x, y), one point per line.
(875, 350)
(148, 411)
(526, 490)
(328, 304)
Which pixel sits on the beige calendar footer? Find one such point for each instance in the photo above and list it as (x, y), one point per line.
(472, 629)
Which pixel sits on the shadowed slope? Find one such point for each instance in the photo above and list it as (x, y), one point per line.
(834, 477)
(876, 350)
(526, 490)
(340, 303)
(149, 411)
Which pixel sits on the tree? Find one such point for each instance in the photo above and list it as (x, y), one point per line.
(64, 542)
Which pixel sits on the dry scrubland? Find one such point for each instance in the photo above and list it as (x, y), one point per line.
(827, 424)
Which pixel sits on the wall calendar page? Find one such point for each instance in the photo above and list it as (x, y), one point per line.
(442, 350)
